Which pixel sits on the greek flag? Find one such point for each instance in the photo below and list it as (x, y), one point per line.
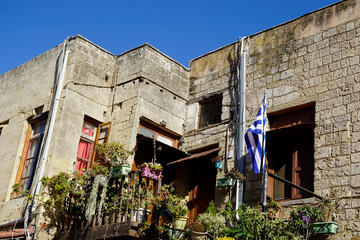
(255, 139)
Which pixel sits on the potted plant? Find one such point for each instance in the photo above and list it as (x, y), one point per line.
(218, 162)
(151, 170)
(178, 211)
(302, 218)
(145, 170)
(213, 220)
(115, 155)
(197, 231)
(327, 207)
(273, 209)
(156, 170)
(230, 179)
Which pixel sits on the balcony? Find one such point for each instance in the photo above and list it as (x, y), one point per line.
(112, 208)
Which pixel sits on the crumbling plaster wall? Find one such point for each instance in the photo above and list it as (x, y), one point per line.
(315, 58)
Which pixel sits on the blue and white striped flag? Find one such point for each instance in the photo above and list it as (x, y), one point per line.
(255, 139)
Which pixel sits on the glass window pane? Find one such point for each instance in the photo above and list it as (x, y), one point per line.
(146, 132)
(88, 129)
(38, 128)
(33, 148)
(165, 140)
(27, 168)
(103, 132)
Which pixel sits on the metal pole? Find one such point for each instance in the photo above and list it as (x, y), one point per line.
(241, 120)
(294, 185)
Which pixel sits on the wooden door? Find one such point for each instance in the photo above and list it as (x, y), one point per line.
(202, 188)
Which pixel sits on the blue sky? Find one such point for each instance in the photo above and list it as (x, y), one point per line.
(181, 29)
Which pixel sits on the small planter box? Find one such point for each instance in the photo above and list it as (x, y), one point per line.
(140, 215)
(226, 182)
(180, 223)
(146, 172)
(325, 227)
(119, 171)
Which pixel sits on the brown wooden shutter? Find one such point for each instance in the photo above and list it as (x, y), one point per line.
(303, 163)
(102, 136)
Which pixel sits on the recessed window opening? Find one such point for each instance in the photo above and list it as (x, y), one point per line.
(31, 152)
(290, 152)
(92, 133)
(210, 111)
(148, 130)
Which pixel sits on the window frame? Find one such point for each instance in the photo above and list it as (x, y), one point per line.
(29, 138)
(298, 120)
(159, 132)
(201, 106)
(98, 127)
(97, 138)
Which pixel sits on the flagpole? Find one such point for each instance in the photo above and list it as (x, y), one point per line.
(263, 164)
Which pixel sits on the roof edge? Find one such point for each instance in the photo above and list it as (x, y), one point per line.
(157, 50)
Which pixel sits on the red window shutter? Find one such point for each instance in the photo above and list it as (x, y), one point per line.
(84, 152)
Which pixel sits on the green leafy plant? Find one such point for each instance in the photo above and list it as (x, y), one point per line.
(113, 153)
(156, 167)
(272, 208)
(235, 174)
(301, 219)
(213, 221)
(328, 205)
(196, 226)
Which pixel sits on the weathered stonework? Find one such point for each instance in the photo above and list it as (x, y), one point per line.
(311, 59)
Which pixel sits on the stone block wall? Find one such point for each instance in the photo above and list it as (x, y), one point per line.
(148, 84)
(22, 90)
(315, 58)
(212, 74)
(86, 93)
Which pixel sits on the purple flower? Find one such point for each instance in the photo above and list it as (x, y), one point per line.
(305, 218)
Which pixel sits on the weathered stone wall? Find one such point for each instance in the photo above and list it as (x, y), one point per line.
(86, 92)
(148, 84)
(315, 58)
(22, 89)
(210, 75)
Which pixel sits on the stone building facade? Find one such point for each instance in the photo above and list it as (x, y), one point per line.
(309, 68)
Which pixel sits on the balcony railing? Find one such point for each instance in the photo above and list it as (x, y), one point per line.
(114, 207)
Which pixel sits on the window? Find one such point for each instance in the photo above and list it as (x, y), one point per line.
(290, 152)
(149, 130)
(210, 111)
(86, 146)
(91, 134)
(30, 154)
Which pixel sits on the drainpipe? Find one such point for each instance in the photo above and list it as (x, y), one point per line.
(41, 168)
(241, 121)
